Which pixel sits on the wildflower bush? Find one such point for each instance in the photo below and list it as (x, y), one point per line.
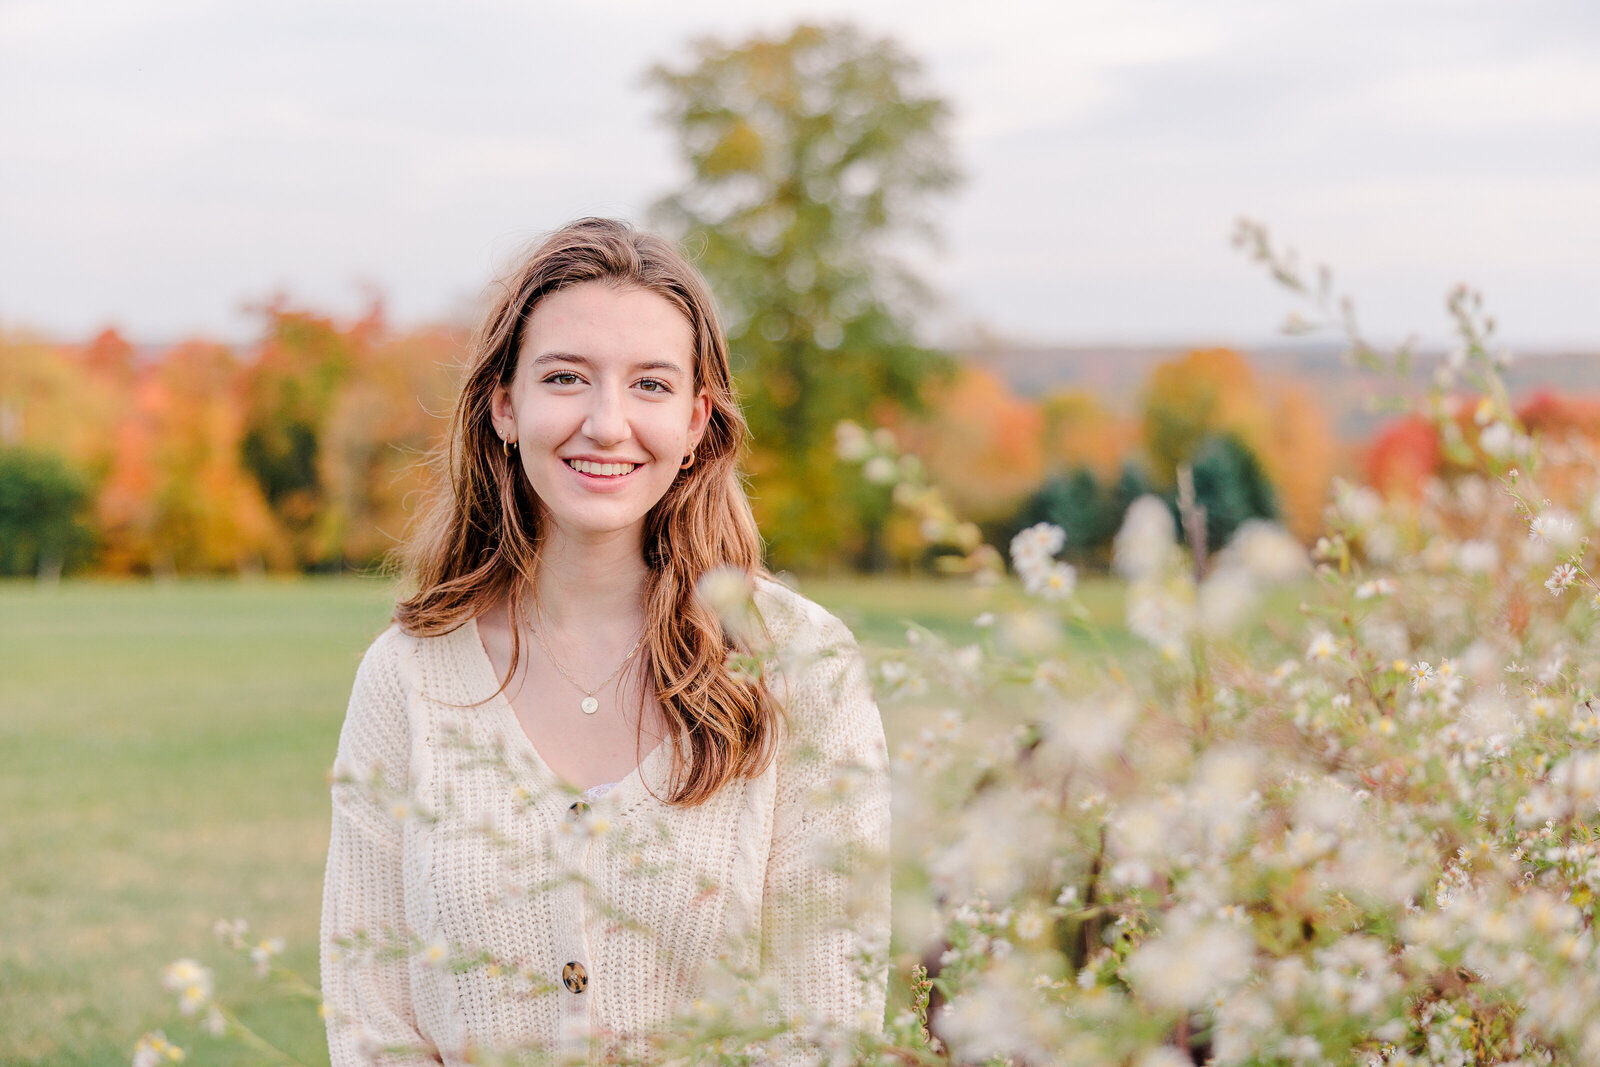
(1370, 836)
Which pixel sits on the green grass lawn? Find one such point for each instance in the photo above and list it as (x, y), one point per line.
(162, 757)
(163, 749)
(162, 760)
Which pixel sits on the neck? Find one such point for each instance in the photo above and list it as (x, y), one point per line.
(599, 583)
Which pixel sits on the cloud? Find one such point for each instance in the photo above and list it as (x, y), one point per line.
(164, 159)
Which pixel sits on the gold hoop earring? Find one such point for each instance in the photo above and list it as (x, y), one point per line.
(688, 461)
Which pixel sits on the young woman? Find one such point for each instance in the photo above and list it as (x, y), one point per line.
(566, 807)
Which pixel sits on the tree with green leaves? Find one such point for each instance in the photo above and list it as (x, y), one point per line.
(43, 506)
(812, 159)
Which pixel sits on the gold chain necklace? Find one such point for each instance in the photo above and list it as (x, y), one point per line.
(589, 704)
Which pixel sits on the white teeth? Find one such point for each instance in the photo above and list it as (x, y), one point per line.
(605, 469)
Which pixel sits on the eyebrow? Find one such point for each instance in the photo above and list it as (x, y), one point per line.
(566, 357)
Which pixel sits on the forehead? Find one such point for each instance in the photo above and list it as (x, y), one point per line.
(607, 323)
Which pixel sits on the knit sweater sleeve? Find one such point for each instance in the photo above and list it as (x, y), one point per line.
(366, 988)
(826, 915)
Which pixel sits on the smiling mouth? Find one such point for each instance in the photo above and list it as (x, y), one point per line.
(601, 470)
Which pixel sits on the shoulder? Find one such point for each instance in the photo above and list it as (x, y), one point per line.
(384, 659)
(797, 625)
(821, 676)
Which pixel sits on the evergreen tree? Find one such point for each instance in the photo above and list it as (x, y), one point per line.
(1231, 485)
(1084, 509)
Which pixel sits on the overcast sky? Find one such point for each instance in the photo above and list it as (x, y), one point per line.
(164, 163)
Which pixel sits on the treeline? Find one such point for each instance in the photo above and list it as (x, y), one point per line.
(306, 451)
(299, 453)
(1256, 448)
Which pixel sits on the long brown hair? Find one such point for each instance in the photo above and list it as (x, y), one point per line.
(478, 544)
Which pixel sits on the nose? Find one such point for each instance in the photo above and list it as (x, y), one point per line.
(606, 423)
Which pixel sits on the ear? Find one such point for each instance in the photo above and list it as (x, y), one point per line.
(701, 417)
(502, 413)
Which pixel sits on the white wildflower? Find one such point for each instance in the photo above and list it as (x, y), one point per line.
(729, 591)
(1037, 544)
(191, 981)
(850, 442)
(1158, 614)
(1190, 963)
(1322, 648)
(1227, 597)
(1554, 527)
(1421, 677)
(1147, 543)
(263, 952)
(880, 470)
(1498, 440)
(1478, 557)
(1375, 588)
(154, 1049)
(1357, 504)
(1561, 580)
(1267, 551)
(1053, 582)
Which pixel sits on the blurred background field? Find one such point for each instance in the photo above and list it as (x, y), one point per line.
(162, 762)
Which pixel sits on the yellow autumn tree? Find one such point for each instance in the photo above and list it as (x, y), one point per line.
(209, 515)
(1080, 431)
(384, 420)
(1214, 391)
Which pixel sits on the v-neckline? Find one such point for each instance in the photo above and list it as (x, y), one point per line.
(622, 789)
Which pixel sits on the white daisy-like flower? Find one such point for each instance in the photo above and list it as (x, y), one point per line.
(191, 981)
(1561, 579)
(1554, 527)
(1322, 648)
(1055, 582)
(1421, 676)
(1037, 543)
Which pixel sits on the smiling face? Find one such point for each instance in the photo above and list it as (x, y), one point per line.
(603, 406)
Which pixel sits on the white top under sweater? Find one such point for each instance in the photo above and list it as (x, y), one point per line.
(464, 846)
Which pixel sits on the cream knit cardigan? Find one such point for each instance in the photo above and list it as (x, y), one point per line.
(472, 907)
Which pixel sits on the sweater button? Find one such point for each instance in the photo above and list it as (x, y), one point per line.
(574, 977)
(578, 810)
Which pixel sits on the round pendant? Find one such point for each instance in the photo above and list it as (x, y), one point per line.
(590, 705)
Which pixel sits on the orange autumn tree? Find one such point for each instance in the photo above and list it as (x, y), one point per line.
(1080, 431)
(981, 444)
(340, 419)
(1212, 392)
(209, 514)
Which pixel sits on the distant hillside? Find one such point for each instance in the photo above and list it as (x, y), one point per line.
(1116, 374)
